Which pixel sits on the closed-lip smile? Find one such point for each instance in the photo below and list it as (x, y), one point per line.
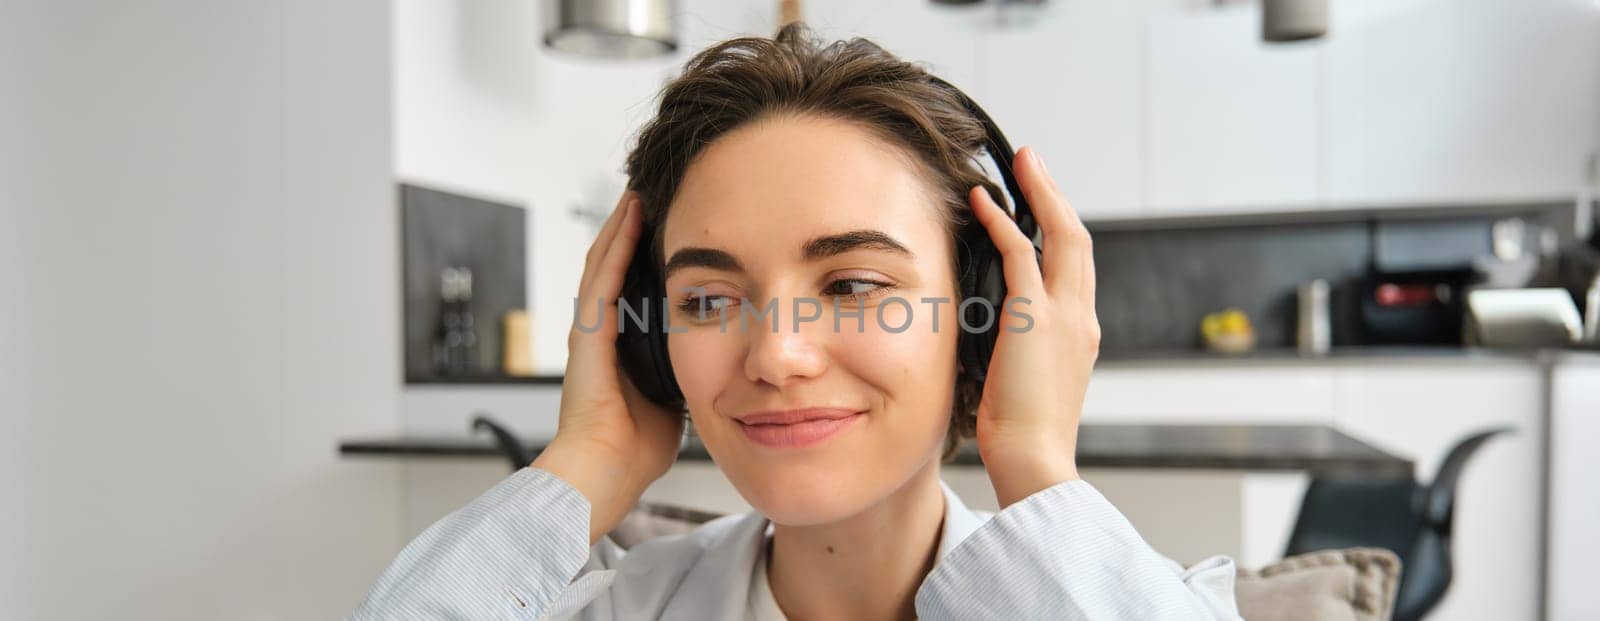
(795, 428)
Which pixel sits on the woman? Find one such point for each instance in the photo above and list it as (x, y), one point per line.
(781, 170)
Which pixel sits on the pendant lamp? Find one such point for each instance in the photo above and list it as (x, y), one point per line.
(612, 29)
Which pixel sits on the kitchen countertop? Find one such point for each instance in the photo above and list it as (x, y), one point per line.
(1315, 449)
(1337, 355)
(1112, 359)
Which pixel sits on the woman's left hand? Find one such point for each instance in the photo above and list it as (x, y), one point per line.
(1033, 396)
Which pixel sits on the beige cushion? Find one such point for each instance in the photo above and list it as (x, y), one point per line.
(1355, 584)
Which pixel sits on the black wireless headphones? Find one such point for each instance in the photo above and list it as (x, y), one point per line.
(643, 353)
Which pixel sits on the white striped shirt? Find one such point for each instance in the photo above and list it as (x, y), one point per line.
(520, 551)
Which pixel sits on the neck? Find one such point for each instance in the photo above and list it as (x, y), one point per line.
(867, 566)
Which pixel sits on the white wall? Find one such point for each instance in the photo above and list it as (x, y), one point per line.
(12, 318)
(197, 298)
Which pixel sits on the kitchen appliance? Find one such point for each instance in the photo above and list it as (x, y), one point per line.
(1591, 313)
(1524, 317)
(1422, 307)
(1314, 327)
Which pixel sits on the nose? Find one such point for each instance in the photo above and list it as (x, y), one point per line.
(783, 356)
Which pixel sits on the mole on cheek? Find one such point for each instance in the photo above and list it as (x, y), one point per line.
(830, 549)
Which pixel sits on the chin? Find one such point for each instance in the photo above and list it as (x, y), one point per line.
(797, 495)
(828, 482)
(825, 487)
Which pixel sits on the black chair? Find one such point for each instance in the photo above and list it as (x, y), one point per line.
(514, 451)
(1409, 518)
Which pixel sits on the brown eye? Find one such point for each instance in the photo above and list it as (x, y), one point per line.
(853, 287)
(710, 305)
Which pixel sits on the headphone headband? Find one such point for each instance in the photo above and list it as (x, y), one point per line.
(1001, 152)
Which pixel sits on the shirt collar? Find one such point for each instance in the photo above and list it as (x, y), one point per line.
(959, 521)
(720, 578)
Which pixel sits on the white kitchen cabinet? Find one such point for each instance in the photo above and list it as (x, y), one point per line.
(1065, 80)
(1413, 407)
(1448, 100)
(1424, 101)
(1230, 122)
(1421, 411)
(1574, 497)
(1416, 102)
(1210, 392)
(1245, 515)
(1177, 107)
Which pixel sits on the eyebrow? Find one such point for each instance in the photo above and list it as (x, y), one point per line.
(814, 249)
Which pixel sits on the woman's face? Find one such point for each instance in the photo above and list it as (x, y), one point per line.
(815, 425)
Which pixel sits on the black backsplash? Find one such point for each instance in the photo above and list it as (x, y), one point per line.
(443, 229)
(1153, 287)
(1156, 280)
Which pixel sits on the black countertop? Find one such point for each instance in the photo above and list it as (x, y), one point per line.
(1316, 449)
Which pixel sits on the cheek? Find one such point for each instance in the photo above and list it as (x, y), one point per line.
(704, 362)
(903, 337)
(915, 367)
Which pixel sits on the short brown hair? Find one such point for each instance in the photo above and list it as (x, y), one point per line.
(740, 81)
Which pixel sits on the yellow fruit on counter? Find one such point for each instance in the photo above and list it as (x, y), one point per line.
(1227, 331)
(1234, 321)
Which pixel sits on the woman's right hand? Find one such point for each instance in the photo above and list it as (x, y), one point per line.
(611, 442)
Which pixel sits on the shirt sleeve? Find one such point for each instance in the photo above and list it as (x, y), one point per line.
(1067, 553)
(519, 551)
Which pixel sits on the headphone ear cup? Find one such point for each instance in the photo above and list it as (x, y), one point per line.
(980, 307)
(976, 261)
(642, 350)
(668, 394)
(983, 279)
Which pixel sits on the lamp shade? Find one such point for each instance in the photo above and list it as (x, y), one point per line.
(1293, 20)
(618, 29)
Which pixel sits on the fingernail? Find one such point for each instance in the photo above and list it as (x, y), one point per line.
(1037, 159)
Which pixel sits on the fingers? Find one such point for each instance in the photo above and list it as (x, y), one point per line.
(1016, 250)
(1068, 249)
(613, 267)
(602, 241)
(603, 273)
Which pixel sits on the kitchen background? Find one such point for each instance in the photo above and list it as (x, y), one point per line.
(208, 276)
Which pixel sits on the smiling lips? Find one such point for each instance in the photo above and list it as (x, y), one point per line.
(795, 428)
